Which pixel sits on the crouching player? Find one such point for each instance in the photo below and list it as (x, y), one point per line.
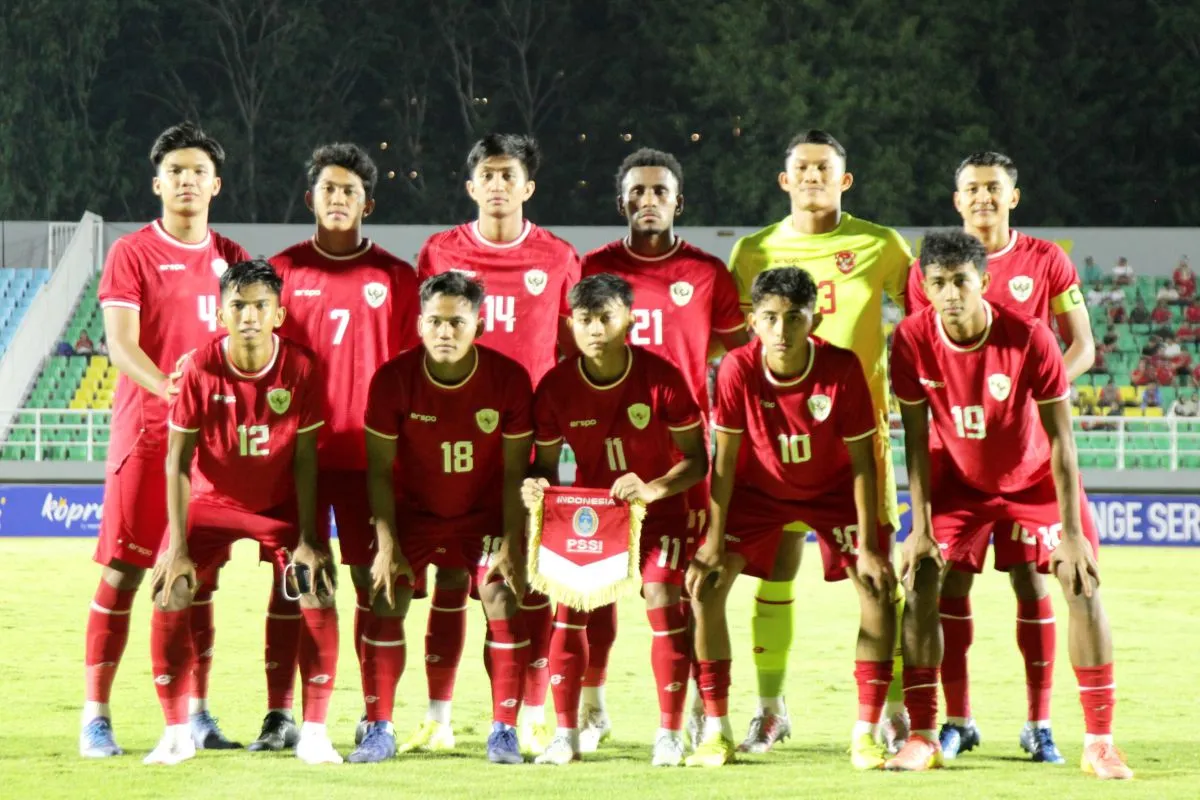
(794, 441)
(248, 410)
(630, 419)
(994, 384)
(458, 416)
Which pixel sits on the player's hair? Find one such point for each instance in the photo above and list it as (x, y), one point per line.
(184, 136)
(648, 157)
(514, 145)
(595, 292)
(348, 156)
(816, 136)
(988, 158)
(791, 283)
(950, 248)
(247, 273)
(453, 284)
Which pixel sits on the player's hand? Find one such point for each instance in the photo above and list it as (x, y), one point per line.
(1075, 565)
(532, 492)
(510, 567)
(708, 560)
(876, 573)
(917, 548)
(322, 580)
(629, 487)
(171, 387)
(172, 565)
(389, 564)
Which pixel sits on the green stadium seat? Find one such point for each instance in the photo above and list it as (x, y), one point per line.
(76, 453)
(1106, 461)
(1088, 461)
(1189, 462)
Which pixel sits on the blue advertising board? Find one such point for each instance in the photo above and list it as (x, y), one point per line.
(1123, 519)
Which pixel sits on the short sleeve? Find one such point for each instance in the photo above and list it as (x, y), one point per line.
(517, 422)
(1048, 381)
(425, 265)
(121, 281)
(573, 268)
(406, 309)
(312, 400)
(897, 260)
(546, 430)
(727, 314)
(906, 385)
(742, 270)
(679, 409)
(382, 398)
(856, 411)
(233, 252)
(1063, 281)
(914, 296)
(187, 409)
(729, 415)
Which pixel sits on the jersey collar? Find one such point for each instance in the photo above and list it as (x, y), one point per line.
(251, 376)
(812, 357)
(987, 330)
(366, 245)
(169, 239)
(628, 367)
(629, 251)
(1008, 248)
(481, 239)
(450, 386)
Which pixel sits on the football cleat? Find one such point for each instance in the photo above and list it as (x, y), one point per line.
(1105, 762)
(1039, 743)
(558, 753)
(176, 745)
(766, 730)
(207, 734)
(956, 739)
(96, 740)
(894, 731)
(315, 748)
(279, 732)
(866, 753)
(917, 755)
(378, 745)
(596, 729)
(715, 750)
(502, 747)
(534, 739)
(431, 737)
(360, 730)
(668, 751)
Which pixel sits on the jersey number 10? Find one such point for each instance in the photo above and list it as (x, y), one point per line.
(794, 448)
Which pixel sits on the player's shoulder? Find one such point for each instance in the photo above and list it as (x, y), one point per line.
(917, 325)
(760, 239)
(455, 238)
(298, 254)
(228, 248)
(543, 237)
(603, 257)
(653, 364)
(296, 353)
(1041, 251)
(385, 259)
(834, 357)
(857, 226)
(743, 358)
(700, 259)
(209, 358)
(1016, 326)
(500, 367)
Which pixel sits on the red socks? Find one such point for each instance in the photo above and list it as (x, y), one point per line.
(445, 638)
(670, 658)
(1036, 638)
(505, 656)
(203, 636)
(568, 657)
(714, 687)
(1098, 696)
(538, 619)
(107, 633)
(873, 679)
(601, 633)
(362, 611)
(282, 652)
(171, 661)
(920, 697)
(381, 646)
(318, 660)
(958, 630)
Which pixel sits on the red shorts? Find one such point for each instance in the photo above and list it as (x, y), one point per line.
(467, 542)
(134, 516)
(963, 517)
(213, 529)
(345, 493)
(667, 548)
(756, 522)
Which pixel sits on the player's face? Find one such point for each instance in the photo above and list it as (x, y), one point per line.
(499, 186)
(601, 331)
(187, 181)
(814, 177)
(251, 314)
(781, 325)
(650, 199)
(956, 292)
(448, 327)
(339, 200)
(985, 196)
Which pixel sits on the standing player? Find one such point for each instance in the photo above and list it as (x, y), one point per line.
(526, 272)
(1034, 277)
(242, 463)
(630, 419)
(456, 418)
(354, 304)
(854, 263)
(683, 298)
(159, 295)
(804, 409)
(994, 385)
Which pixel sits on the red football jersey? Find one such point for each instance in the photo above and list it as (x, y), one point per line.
(680, 299)
(173, 287)
(622, 427)
(983, 397)
(355, 312)
(247, 423)
(526, 281)
(1029, 275)
(794, 432)
(450, 450)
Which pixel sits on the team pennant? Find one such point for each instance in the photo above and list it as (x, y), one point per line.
(585, 547)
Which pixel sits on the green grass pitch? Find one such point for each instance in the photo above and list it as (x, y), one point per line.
(48, 583)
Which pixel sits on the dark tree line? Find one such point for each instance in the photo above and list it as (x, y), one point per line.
(1098, 102)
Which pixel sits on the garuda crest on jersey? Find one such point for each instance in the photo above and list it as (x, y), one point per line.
(375, 293)
(639, 415)
(819, 405)
(487, 419)
(535, 281)
(279, 400)
(999, 385)
(845, 261)
(1021, 287)
(681, 293)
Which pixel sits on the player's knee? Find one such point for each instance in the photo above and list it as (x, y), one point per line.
(318, 600)
(788, 556)
(451, 578)
(1027, 583)
(660, 595)
(499, 601)
(361, 577)
(380, 607)
(122, 576)
(177, 597)
(957, 583)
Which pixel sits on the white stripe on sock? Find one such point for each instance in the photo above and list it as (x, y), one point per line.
(507, 645)
(670, 633)
(1046, 621)
(284, 616)
(439, 608)
(570, 627)
(383, 644)
(96, 607)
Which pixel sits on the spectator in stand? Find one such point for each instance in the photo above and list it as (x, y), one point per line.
(1097, 295)
(1122, 272)
(1186, 408)
(1116, 307)
(1196, 377)
(84, 346)
(1100, 362)
(1164, 372)
(1151, 347)
(1192, 314)
(1091, 271)
(1167, 292)
(1140, 314)
(102, 347)
(64, 349)
(1111, 338)
(1170, 348)
(1143, 373)
(1161, 315)
(1184, 280)
(1110, 396)
(1151, 398)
